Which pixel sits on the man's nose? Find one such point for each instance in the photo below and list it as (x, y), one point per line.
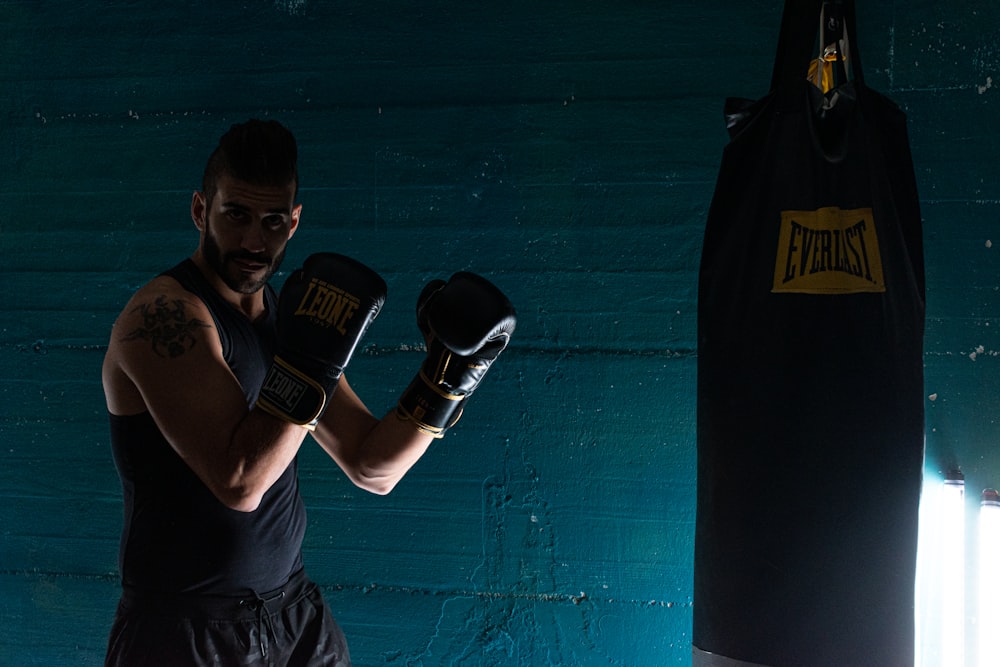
(254, 238)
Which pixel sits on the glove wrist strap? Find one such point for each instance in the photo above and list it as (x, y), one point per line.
(432, 409)
(289, 394)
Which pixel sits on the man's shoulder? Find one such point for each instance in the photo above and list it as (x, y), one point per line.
(162, 322)
(162, 303)
(165, 284)
(163, 289)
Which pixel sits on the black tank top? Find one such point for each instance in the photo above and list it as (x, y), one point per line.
(177, 536)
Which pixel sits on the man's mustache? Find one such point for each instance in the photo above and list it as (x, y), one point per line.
(260, 257)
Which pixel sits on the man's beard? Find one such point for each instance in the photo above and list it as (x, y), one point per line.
(230, 274)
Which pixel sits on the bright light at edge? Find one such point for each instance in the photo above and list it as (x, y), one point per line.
(940, 586)
(989, 580)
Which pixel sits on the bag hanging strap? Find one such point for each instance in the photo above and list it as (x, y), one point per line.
(830, 69)
(797, 39)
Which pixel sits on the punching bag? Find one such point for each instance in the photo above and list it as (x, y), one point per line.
(810, 371)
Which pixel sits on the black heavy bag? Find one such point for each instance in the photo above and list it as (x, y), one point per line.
(810, 372)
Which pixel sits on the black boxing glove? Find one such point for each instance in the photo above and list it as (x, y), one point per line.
(467, 322)
(323, 311)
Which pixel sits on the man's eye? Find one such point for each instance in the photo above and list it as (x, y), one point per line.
(274, 221)
(236, 215)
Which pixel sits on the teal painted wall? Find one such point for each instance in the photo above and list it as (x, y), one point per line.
(567, 150)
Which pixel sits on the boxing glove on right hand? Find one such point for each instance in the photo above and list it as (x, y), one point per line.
(323, 311)
(467, 322)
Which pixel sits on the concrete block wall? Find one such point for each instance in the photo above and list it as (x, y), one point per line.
(568, 151)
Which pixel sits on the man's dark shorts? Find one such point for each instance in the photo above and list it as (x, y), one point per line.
(290, 627)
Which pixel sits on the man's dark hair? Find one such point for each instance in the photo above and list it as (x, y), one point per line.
(260, 152)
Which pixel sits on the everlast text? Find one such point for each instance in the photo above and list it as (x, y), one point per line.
(828, 251)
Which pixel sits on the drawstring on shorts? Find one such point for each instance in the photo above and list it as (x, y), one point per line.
(258, 605)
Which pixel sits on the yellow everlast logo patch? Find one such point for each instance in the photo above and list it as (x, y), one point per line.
(828, 251)
(328, 305)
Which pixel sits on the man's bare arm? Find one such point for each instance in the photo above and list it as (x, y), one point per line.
(164, 356)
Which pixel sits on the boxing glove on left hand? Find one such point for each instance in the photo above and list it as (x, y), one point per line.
(467, 322)
(323, 311)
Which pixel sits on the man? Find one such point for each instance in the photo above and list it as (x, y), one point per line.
(213, 383)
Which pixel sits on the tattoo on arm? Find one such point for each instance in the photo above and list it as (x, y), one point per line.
(167, 326)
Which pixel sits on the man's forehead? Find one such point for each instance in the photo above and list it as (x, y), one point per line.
(233, 192)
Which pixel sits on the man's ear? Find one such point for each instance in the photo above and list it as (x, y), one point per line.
(199, 210)
(296, 212)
